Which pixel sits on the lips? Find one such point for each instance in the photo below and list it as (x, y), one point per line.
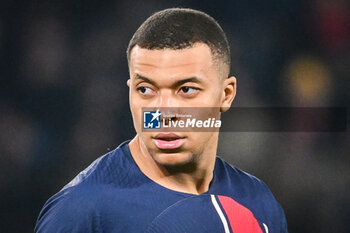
(168, 141)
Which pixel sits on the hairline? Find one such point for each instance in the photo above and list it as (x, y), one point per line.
(218, 61)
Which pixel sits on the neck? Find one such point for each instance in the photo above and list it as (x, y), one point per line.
(193, 177)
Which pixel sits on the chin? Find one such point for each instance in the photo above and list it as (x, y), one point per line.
(178, 159)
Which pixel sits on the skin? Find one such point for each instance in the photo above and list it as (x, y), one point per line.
(154, 81)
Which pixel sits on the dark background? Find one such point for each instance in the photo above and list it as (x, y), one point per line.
(64, 99)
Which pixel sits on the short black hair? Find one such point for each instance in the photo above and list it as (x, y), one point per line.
(179, 28)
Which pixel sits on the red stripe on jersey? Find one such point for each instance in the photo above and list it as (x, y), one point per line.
(241, 218)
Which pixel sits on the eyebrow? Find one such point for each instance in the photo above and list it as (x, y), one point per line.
(137, 76)
(175, 84)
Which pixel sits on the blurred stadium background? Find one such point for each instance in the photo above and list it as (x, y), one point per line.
(64, 99)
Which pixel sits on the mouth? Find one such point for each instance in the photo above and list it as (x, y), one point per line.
(168, 141)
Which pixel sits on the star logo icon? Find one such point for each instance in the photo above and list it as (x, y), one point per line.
(155, 115)
(151, 119)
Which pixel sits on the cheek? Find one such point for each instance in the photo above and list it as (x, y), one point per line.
(212, 96)
(198, 140)
(218, 93)
(135, 109)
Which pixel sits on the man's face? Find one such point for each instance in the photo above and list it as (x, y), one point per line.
(175, 78)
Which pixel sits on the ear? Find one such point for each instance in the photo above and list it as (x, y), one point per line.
(229, 90)
(128, 82)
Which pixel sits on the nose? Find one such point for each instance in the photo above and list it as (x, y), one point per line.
(167, 100)
(168, 105)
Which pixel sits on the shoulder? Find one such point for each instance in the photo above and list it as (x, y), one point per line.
(77, 207)
(73, 209)
(109, 168)
(242, 182)
(254, 194)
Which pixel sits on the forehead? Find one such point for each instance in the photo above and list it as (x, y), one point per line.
(189, 61)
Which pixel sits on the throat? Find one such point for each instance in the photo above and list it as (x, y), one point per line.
(186, 178)
(193, 177)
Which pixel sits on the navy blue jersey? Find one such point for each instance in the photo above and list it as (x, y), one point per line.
(113, 195)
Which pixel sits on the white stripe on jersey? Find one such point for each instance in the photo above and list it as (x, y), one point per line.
(266, 228)
(221, 215)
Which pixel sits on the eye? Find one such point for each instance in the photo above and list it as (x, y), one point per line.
(145, 90)
(189, 91)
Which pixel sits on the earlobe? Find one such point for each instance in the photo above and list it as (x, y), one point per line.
(128, 82)
(229, 93)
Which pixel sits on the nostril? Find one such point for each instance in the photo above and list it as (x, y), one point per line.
(167, 119)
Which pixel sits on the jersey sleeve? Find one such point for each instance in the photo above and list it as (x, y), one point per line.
(68, 211)
(284, 227)
(275, 210)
